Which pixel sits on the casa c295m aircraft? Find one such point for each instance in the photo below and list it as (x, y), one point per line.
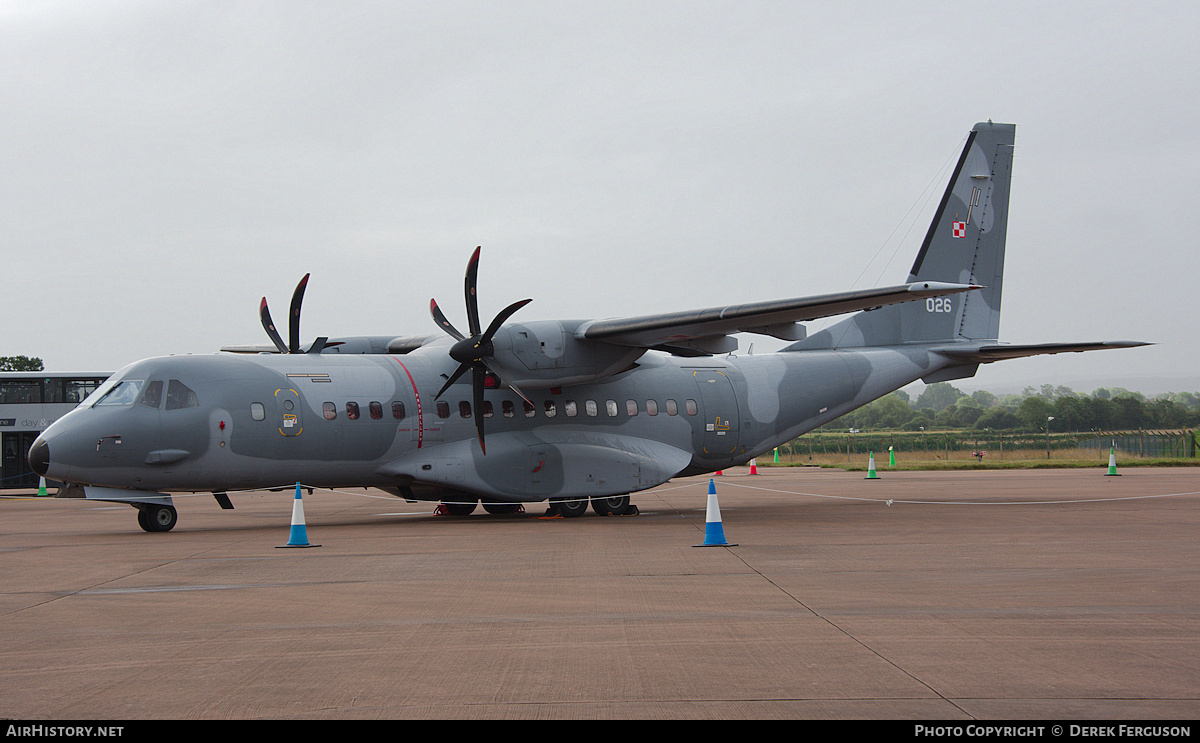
(569, 412)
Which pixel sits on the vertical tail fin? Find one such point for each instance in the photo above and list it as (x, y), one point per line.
(965, 242)
(964, 245)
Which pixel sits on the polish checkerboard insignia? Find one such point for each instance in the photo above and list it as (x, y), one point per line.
(959, 229)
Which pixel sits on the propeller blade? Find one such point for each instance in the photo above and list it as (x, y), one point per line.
(462, 368)
(294, 320)
(477, 374)
(500, 319)
(264, 314)
(472, 300)
(440, 319)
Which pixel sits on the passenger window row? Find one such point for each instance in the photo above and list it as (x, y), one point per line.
(550, 409)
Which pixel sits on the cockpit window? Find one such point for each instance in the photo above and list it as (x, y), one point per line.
(123, 393)
(180, 396)
(151, 395)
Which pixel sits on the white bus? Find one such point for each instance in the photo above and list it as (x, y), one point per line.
(29, 402)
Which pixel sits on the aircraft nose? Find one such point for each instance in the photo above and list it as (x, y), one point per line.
(39, 457)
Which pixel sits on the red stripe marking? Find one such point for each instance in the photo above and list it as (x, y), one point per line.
(417, 395)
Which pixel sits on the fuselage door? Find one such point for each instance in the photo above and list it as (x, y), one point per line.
(720, 410)
(288, 405)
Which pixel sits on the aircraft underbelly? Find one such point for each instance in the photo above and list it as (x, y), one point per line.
(530, 466)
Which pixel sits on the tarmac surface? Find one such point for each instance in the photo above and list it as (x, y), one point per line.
(1002, 594)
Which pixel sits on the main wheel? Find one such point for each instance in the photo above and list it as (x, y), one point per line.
(617, 505)
(461, 509)
(157, 518)
(501, 508)
(570, 508)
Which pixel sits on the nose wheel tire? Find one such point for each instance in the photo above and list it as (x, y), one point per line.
(155, 518)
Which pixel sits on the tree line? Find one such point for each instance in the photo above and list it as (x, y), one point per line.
(942, 405)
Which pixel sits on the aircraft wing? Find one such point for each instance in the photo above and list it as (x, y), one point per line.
(984, 354)
(777, 318)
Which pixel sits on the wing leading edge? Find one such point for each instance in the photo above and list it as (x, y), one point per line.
(776, 318)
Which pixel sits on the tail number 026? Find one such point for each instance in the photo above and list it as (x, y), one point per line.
(939, 304)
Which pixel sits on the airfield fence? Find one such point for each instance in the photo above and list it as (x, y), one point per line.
(827, 447)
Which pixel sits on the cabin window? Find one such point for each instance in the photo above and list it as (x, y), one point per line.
(611, 407)
(23, 392)
(691, 407)
(352, 411)
(376, 410)
(443, 409)
(508, 409)
(77, 390)
(487, 409)
(672, 408)
(464, 409)
(651, 407)
(398, 410)
(631, 407)
(551, 409)
(151, 395)
(180, 396)
(570, 408)
(257, 411)
(590, 407)
(330, 411)
(530, 411)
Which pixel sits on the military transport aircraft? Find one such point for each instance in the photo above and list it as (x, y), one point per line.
(566, 411)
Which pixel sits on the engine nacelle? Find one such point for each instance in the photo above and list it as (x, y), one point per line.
(547, 354)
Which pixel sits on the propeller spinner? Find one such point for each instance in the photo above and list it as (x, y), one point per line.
(472, 351)
(293, 345)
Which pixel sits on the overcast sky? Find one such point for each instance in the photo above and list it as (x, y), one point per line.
(164, 165)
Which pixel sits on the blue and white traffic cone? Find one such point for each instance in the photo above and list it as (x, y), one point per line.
(299, 535)
(714, 532)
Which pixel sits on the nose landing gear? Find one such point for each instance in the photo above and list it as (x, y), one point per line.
(153, 517)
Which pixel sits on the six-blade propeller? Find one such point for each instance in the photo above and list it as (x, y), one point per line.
(471, 352)
(293, 345)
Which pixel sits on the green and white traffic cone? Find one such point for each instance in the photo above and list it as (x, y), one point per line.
(871, 468)
(42, 487)
(1112, 462)
(891, 456)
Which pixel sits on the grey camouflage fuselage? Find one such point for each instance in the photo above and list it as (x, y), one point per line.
(613, 407)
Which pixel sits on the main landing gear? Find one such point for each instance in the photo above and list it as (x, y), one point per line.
(617, 505)
(153, 517)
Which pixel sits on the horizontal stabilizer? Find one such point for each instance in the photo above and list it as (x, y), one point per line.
(999, 352)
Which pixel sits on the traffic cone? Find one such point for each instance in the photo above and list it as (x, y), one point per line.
(1112, 462)
(299, 535)
(776, 455)
(891, 456)
(753, 467)
(42, 487)
(871, 468)
(714, 532)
